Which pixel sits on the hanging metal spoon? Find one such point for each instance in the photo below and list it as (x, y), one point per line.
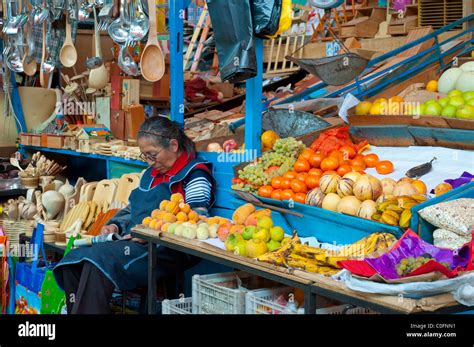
(120, 28)
(126, 62)
(139, 25)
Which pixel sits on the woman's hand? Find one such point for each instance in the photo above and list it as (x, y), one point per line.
(109, 229)
(134, 239)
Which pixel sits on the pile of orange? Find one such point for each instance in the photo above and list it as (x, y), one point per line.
(311, 166)
(171, 211)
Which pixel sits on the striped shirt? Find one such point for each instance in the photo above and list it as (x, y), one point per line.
(198, 189)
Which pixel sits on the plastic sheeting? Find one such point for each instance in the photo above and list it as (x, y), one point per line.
(233, 32)
(461, 287)
(266, 17)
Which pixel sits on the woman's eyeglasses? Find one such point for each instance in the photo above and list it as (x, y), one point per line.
(150, 157)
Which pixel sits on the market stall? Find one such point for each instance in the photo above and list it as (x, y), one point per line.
(350, 183)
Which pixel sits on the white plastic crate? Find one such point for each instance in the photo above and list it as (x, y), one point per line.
(177, 306)
(221, 294)
(263, 302)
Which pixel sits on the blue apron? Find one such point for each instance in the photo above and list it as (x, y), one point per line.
(125, 263)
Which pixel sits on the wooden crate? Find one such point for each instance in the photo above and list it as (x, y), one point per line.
(25, 139)
(439, 13)
(365, 24)
(402, 26)
(36, 140)
(55, 141)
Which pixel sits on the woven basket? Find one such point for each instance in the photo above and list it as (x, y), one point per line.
(13, 229)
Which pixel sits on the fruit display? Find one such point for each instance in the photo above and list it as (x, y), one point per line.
(410, 264)
(272, 163)
(396, 211)
(295, 255)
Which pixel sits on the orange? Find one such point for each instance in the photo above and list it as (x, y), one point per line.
(276, 194)
(306, 154)
(348, 152)
(172, 207)
(290, 175)
(287, 194)
(329, 163)
(159, 224)
(285, 183)
(265, 191)
(329, 172)
(153, 223)
(384, 167)
(358, 164)
(315, 172)
(363, 108)
(154, 214)
(337, 154)
(163, 205)
(181, 216)
(371, 160)
(432, 86)
(343, 169)
(302, 165)
(312, 181)
(298, 187)
(300, 197)
(396, 98)
(316, 159)
(378, 109)
(177, 197)
(169, 218)
(161, 214)
(301, 176)
(193, 216)
(146, 220)
(276, 182)
(420, 186)
(184, 207)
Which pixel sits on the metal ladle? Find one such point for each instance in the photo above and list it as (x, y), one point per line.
(48, 64)
(139, 25)
(119, 29)
(126, 62)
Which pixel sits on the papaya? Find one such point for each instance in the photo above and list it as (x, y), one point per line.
(240, 214)
(253, 218)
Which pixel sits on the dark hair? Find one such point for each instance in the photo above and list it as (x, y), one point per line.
(161, 130)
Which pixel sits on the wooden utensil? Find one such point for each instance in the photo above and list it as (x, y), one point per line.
(152, 64)
(68, 53)
(98, 77)
(44, 78)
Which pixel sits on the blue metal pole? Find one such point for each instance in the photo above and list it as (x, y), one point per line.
(253, 104)
(176, 17)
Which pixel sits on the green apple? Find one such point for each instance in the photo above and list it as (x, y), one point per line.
(273, 245)
(454, 92)
(465, 112)
(248, 232)
(277, 234)
(422, 110)
(468, 95)
(240, 248)
(264, 222)
(231, 241)
(430, 101)
(449, 111)
(456, 101)
(433, 109)
(443, 102)
(470, 102)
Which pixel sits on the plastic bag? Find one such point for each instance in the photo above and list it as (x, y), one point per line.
(455, 215)
(266, 17)
(444, 238)
(285, 18)
(235, 43)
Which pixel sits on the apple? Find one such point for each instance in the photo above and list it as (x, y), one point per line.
(277, 233)
(465, 112)
(470, 102)
(456, 101)
(433, 108)
(249, 231)
(454, 92)
(468, 96)
(443, 101)
(430, 102)
(449, 111)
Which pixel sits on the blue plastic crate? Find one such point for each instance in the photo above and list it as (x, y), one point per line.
(425, 229)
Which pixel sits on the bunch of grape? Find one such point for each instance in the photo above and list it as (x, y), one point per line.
(288, 147)
(244, 187)
(410, 264)
(272, 158)
(255, 175)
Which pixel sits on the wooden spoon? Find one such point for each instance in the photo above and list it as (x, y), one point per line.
(98, 77)
(152, 63)
(68, 53)
(44, 78)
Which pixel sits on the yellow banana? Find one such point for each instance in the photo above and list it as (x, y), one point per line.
(405, 218)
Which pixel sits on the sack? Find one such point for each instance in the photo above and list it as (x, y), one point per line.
(36, 290)
(285, 18)
(266, 17)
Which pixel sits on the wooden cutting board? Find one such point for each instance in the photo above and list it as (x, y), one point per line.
(127, 183)
(88, 191)
(106, 190)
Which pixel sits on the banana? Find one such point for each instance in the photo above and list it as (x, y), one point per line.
(405, 218)
(390, 218)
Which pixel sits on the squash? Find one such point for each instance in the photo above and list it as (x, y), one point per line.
(447, 81)
(465, 82)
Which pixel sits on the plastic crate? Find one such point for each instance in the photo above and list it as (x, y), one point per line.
(221, 294)
(263, 302)
(177, 306)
